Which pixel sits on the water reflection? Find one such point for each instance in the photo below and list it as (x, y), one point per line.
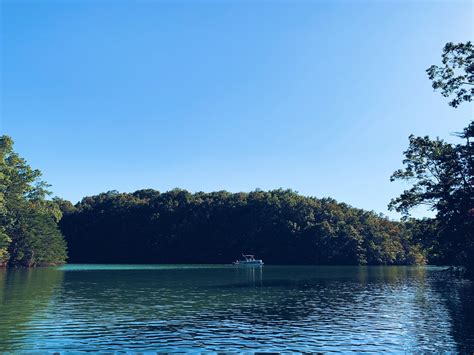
(458, 298)
(224, 308)
(24, 296)
(249, 275)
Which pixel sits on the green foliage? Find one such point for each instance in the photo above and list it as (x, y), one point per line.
(37, 240)
(437, 170)
(28, 231)
(442, 178)
(280, 226)
(442, 174)
(61, 206)
(425, 234)
(456, 75)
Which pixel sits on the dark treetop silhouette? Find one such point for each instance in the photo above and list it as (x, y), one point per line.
(279, 226)
(443, 173)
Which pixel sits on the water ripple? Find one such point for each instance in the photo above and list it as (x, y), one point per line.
(280, 309)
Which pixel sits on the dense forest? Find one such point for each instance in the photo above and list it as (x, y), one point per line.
(279, 226)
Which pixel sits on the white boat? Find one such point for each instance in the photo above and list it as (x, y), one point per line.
(248, 260)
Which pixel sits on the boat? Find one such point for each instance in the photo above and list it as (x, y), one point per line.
(248, 260)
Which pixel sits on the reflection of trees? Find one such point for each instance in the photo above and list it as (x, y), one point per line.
(23, 294)
(400, 305)
(390, 275)
(458, 297)
(308, 292)
(386, 307)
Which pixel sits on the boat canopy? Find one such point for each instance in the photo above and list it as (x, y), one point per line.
(248, 257)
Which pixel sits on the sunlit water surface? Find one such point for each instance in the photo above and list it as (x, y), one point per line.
(171, 308)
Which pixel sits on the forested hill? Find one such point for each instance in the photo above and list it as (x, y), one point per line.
(280, 226)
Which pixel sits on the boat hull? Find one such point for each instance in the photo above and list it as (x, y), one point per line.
(256, 263)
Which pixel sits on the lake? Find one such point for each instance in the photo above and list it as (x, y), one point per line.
(170, 308)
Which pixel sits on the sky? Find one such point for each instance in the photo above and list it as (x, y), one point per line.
(316, 96)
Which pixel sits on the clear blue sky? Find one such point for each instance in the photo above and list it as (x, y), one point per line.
(317, 96)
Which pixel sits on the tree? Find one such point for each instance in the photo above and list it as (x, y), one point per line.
(442, 176)
(456, 75)
(28, 222)
(443, 173)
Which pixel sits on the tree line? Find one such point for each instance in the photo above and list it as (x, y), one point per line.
(279, 226)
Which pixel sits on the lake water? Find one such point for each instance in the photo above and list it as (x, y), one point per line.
(170, 308)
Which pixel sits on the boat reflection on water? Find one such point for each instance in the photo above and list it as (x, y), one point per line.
(249, 276)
